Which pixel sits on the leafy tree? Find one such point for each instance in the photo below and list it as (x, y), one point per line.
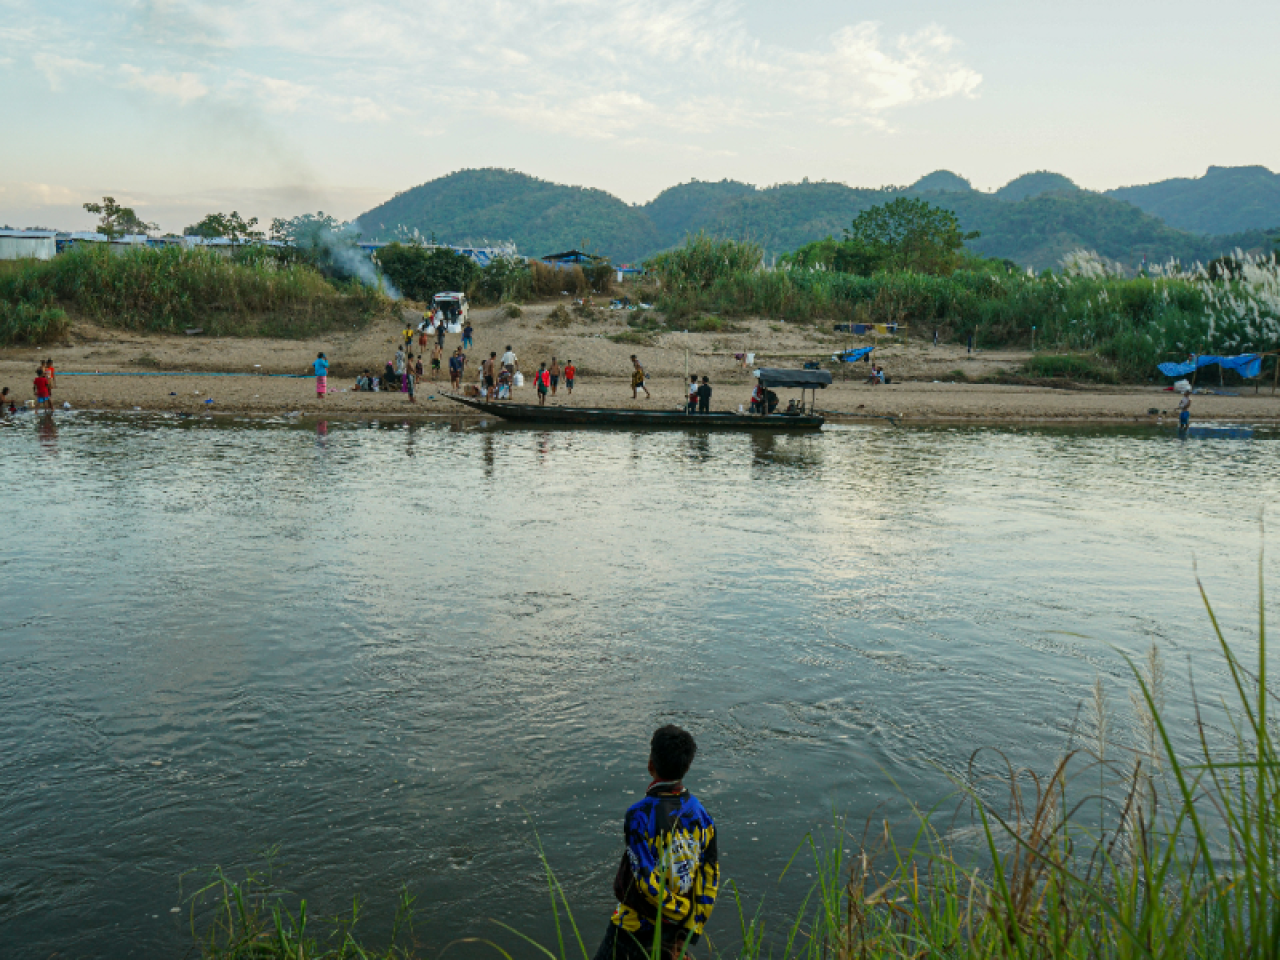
(117, 221)
(420, 273)
(904, 234)
(308, 230)
(232, 226)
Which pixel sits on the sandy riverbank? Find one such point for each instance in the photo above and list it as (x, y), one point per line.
(140, 370)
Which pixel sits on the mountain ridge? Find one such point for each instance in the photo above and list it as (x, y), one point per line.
(1034, 219)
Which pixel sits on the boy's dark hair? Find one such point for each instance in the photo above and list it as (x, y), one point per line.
(672, 751)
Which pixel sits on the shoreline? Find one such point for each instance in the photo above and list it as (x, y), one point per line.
(844, 402)
(125, 370)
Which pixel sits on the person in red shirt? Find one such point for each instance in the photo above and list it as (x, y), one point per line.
(569, 372)
(44, 390)
(544, 384)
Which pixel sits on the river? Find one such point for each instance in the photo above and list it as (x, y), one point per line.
(395, 651)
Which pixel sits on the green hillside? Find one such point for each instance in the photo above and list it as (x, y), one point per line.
(498, 206)
(1224, 200)
(1034, 220)
(942, 181)
(684, 208)
(1035, 184)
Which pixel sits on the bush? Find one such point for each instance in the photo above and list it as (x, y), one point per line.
(559, 317)
(503, 278)
(1068, 366)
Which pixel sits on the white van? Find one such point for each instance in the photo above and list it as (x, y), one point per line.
(453, 309)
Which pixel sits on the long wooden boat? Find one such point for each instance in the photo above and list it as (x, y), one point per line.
(626, 417)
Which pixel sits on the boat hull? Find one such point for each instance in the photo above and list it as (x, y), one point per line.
(625, 417)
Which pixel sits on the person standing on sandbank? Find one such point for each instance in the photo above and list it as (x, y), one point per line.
(671, 858)
(321, 366)
(637, 380)
(570, 371)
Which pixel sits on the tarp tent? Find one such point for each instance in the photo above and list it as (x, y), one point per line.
(771, 377)
(1246, 364)
(853, 356)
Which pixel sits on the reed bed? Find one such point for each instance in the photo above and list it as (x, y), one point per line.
(167, 290)
(1129, 846)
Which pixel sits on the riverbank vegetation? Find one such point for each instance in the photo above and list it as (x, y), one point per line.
(1133, 844)
(253, 292)
(922, 281)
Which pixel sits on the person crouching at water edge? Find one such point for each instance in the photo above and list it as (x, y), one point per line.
(322, 375)
(667, 881)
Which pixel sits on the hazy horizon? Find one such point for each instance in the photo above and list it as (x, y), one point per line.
(184, 107)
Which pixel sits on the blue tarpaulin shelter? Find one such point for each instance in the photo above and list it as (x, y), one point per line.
(853, 356)
(1246, 364)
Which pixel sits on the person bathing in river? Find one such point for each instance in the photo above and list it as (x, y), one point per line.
(1184, 410)
(669, 876)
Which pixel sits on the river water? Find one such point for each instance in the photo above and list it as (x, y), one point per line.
(396, 650)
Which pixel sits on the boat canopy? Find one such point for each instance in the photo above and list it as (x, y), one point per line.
(1246, 364)
(794, 379)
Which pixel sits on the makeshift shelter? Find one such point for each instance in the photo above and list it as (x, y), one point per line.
(853, 356)
(28, 244)
(1248, 365)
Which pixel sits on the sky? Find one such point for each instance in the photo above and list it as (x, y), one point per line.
(279, 107)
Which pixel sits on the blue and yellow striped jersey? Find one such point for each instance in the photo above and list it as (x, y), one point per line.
(670, 859)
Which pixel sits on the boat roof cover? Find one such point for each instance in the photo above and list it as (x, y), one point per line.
(798, 379)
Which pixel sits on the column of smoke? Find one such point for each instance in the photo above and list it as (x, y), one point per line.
(341, 245)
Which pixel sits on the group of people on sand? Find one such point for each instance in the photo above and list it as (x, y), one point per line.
(499, 375)
(45, 380)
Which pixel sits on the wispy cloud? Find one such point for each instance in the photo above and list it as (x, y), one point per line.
(183, 87)
(58, 69)
(585, 66)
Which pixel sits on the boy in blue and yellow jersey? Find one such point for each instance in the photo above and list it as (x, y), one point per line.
(670, 860)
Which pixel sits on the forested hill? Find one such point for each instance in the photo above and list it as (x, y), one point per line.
(497, 206)
(1034, 220)
(1224, 200)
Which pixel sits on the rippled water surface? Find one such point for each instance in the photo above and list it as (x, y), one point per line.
(396, 650)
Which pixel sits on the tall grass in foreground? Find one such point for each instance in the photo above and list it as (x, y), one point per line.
(165, 290)
(1133, 851)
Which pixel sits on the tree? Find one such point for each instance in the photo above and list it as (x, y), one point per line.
(116, 221)
(232, 226)
(905, 234)
(308, 230)
(421, 273)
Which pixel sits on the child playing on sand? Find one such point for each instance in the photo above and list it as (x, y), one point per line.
(670, 859)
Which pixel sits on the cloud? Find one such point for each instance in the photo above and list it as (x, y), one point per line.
(581, 66)
(57, 69)
(183, 87)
